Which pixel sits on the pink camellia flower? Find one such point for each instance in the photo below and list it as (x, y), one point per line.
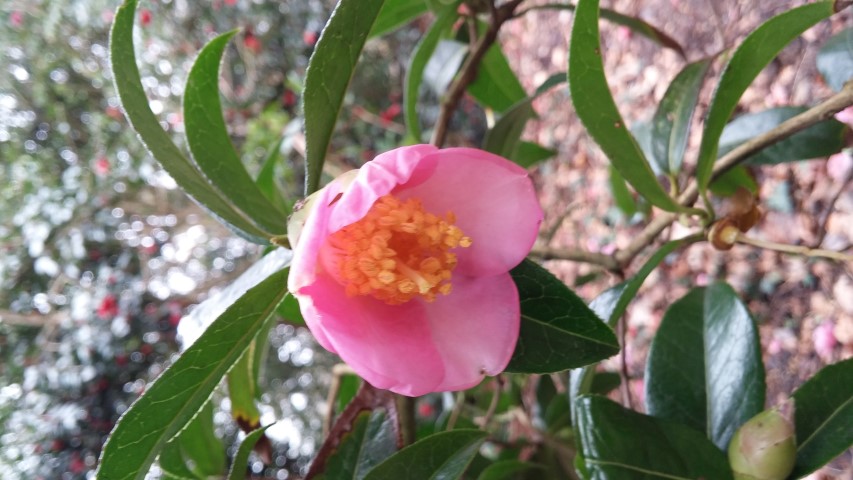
(401, 267)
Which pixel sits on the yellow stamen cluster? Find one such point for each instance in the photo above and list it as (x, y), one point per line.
(398, 251)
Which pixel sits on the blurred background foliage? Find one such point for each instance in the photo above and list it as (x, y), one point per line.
(102, 254)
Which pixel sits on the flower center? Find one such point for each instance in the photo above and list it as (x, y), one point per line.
(398, 251)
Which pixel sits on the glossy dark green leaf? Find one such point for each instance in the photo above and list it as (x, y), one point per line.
(671, 122)
(210, 146)
(135, 104)
(622, 195)
(596, 109)
(442, 455)
(444, 64)
(558, 330)
(835, 59)
(202, 451)
(395, 14)
(756, 51)
(241, 460)
(704, 367)
(504, 138)
(171, 401)
(417, 63)
(329, 72)
(605, 382)
(728, 183)
(823, 417)
(370, 441)
(496, 86)
(507, 470)
(528, 154)
(819, 140)
(617, 443)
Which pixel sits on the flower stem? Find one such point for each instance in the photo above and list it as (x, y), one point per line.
(795, 249)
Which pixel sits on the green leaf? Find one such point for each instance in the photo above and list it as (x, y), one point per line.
(444, 64)
(241, 460)
(172, 463)
(704, 367)
(622, 194)
(819, 140)
(211, 148)
(370, 441)
(395, 14)
(528, 154)
(330, 70)
(728, 183)
(442, 455)
(200, 448)
(596, 109)
(558, 330)
(617, 443)
(348, 388)
(611, 305)
(835, 59)
(415, 72)
(756, 51)
(504, 138)
(135, 104)
(289, 310)
(671, 122)
(605, 382)
(267, 178)
(496, 86)
(823, 415)
(506, 470)
(243, 379)
(183, 388)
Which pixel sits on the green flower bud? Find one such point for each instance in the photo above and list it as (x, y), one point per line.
(764, 448)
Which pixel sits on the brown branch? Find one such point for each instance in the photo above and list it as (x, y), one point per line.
(824, 221)
(584, 256)
(468, 72)
(738, 155)
(794, 249)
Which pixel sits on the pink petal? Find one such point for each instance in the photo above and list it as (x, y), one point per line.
(389, 346)
(376, 178)
(494, 202)
(475, 329)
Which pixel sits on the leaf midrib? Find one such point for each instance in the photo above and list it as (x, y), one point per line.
(553, 327)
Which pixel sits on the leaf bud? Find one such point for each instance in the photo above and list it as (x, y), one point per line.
(723, 234)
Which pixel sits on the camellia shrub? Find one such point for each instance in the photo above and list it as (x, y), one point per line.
(413, 269)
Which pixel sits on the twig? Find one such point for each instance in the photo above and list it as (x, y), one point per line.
(549, 253)
(794, 249)
(457, 409)
(406, 415)
(738, 155)
(338, 371)
(468, 72)
(493, 404)
(829, 208)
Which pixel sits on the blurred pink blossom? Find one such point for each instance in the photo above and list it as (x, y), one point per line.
(401, 267)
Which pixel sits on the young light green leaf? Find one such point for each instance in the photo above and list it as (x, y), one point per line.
(369, 442)
(704, 367)
(496, 86)
(417, 64)
(728, 183)
(528, 154)
(171, 401)
(504, 138)
(395, 14)
(819, 140)
(835, 59)
(558, 330)
(241, 460)
(243, 378)
(671, 122)
(622, 194)
(823, 414)
(619, 443)
(135, 104)
(266, 177)
(596, 109)
(171, 462)
(442, 455)
(756, 51)
(330, 70)
(210, 146)
(200, 448)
